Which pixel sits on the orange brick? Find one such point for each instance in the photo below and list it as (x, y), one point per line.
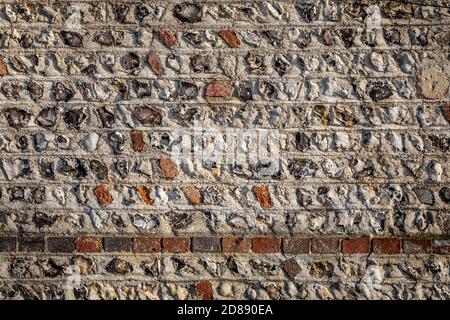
(89, 244)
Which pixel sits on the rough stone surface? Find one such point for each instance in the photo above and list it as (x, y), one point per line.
(224, 149)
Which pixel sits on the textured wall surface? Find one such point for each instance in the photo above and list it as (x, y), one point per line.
(224, 149)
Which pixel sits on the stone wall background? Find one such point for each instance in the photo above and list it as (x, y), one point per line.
(97, 202)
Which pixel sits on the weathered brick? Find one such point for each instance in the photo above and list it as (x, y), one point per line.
(295, 245)
(89, 244)
(356, 245)
(205, 244)
(441, 246)
(168, 168)
(414, 246)
(31, 244)
(386, 245)
(103, 196)
(167, 37)
(229, 36)
(117, 244)
(193, 194)
(8, 244)
(236, 244)
(266, 245)
(137, 138)
(263, 196)
(205, 290)
(176, 245)
(61, 244)
(147, 245)
(144, 193)
(219, 88)
(325, 245)
(291, 267)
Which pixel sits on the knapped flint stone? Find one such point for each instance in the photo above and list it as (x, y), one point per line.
(444, 194)
(46, 169)
(188, 12)
(119, 266)
(11, 90)
(74, 118)
(110, 38)
(348, 37)
(141, 11)
(425, 196)
(245, 93)
(18, 64)
(379, 91)
(130, 61)
(38, 195)
(302, 168)
(397, 10)
(17, 118)
(47, 117)
(187, 90)
(42, 219)
(142, 89)
(308, 11)
(179, 220)
(122, 168)
(72, 39)
(22, 143)
(281, 64)
(116, 141)
(147, 115)
(121, 12)
(99, 169)
(392, 35)
(40, 142)
(26, 41)
(194, 38)
(201, 63)
(62, 92)
(302, 141)
(106, 118)
(35, 89)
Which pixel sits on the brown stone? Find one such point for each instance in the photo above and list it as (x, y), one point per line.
(433, 82)
(204, 290)
(229, 36)
(137, 139)
(193, 194)
(168, 167)
(219, 88)
(327, 37)
(3, 67)
(103, 196)
(144, 193)
(154, 62)
(263, 196)
(166, 37)
(291, 267)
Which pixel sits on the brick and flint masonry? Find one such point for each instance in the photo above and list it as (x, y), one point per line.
(289, 149)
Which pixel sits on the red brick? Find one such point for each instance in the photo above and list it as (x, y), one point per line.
(219, 88)
(229, 36)
(175, 245)
(102, 195)
(89, 244)
(167, 37)
(386, 245)
(155, 64)
(204, 290)
(168, 168)
(263, 196)
(144, 193)
(137, 139)
(441, 246)
(325, 245)
(266, 245)
(236, 244)
(356, 245)
(295, 245)
(416, 246)
(146, 245)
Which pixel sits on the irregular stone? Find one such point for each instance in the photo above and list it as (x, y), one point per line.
(444, 194)
(3, 67)
(90, 141)
(425, 196)
(144, 193)
(17, 118)
(99, 169)
(147, 115)
(36, 90)
(379, 91)
(433, 82)
(119, 266)
(187, 90)
(74, 118)
(219, 88)
(291, 267)
(188, 12)
(137, 139)
(263, 196)
(110, 38)
(406, 62)
(193, 194)
(168, 168)
(130, 61)
(116, 141)
(103, 196)
(106, 117)
(327, 37)
(62, 92)
(173, 62)
(179, 220)
(72, 39)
